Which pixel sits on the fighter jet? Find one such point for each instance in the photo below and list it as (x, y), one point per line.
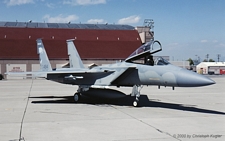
(127, 73)
(133, 72)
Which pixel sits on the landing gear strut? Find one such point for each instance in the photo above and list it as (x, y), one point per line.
(136, 92)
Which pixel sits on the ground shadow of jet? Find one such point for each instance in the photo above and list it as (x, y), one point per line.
(126, 101)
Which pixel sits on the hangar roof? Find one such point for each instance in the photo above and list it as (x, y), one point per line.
(20, 43)
(66, 25)
(211, 64)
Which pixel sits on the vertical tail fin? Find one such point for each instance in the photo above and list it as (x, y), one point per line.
(43, 58)
(74, 58)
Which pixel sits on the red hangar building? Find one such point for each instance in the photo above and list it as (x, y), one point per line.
(96, 43)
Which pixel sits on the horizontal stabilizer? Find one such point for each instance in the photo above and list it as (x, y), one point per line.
(39, 74)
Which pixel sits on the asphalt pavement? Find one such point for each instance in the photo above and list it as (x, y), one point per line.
(42, 110)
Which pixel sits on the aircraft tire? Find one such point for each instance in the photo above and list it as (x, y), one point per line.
(76, 97)
(135, 103)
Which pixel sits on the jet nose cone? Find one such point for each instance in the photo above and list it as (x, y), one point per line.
(188, 78)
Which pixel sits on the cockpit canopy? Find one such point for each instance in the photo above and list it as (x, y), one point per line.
(145, 50)
(161, 61)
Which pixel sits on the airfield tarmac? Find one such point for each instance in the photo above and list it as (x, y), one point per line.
(47, 113)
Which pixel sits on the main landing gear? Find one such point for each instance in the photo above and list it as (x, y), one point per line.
(136, 92)
(77, 95)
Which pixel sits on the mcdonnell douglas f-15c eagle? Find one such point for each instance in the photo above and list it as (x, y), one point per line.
(128, 73)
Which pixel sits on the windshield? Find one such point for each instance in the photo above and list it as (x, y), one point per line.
(161, 61)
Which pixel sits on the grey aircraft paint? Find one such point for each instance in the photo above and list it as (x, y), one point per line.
(127, 73)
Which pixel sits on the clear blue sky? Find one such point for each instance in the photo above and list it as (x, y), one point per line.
(185, 28)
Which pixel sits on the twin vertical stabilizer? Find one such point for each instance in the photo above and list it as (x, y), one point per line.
(43, 58)
(74, 58)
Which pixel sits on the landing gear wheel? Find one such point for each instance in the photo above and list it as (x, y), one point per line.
(136, 92)
(76, 97)
(135, 103)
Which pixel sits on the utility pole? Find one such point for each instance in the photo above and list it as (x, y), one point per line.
(207, 56)
(218, 56)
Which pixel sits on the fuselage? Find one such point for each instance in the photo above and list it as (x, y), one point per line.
(130, 74)
(161, 75)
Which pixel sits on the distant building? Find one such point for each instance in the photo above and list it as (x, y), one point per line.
(146, 31)
(211, 68)
(145, 34)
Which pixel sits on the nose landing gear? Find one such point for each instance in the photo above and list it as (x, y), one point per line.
(136, 92)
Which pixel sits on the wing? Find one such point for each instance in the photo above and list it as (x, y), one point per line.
(77, 77)
(96, 77)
